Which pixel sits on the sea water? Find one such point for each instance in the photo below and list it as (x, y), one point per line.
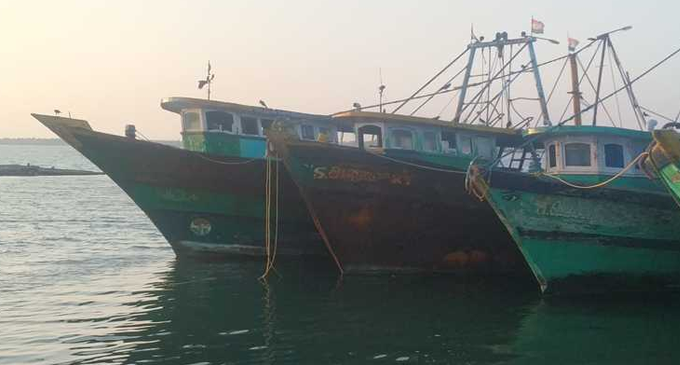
(85, 278)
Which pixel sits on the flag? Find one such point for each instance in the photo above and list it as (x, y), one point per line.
(573, 43)
(537, 26)
(202, 83)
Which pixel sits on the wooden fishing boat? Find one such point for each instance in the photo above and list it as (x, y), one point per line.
(589, 220)
(664, 160)
(208, 198)
(395, 202)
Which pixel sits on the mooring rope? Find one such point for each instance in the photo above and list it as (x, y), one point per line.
(414, 164)
(601, 184)
(224, 162)
(271, 246)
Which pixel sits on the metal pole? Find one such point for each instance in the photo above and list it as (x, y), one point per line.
(605, 42)
(464, 87)
(539, 84)
(575, 91)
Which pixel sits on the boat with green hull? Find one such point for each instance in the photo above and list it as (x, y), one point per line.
(664, 160)
(589, 220)
(208, 204)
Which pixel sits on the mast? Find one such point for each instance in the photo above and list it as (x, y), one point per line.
(539, 83)
(500, 42)
(605, 44)
(575, 91)
(466, 82)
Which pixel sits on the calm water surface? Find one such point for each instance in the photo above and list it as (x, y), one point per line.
(85, 278)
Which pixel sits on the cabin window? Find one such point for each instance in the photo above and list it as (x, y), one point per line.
(577, 154)
(402, 139)
(466, 145)
(552, 156)
(307, 132)
(266, 124)
(249, 126)
(346, 137)
(324, 135)
(429, 141)
(449, 142)
(484, 147)
(613, 155)
(370, 136)
(191, 121)
(220, 121)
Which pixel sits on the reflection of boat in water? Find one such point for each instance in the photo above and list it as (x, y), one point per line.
(201, 203)
(614, 330)
(218, 313)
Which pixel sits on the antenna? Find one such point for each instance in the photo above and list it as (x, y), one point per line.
(208, 80)
(381, 90)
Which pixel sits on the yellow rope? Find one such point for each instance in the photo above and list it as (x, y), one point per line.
(601, 184)
(199, 154)
(414, 164)
(271, 247)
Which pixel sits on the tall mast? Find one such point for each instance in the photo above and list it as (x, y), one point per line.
(500, 42)
(605, 44)
(575, 91)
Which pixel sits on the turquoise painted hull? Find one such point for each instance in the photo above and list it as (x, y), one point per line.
(606, 239)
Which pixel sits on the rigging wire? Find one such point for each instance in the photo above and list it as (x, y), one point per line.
(431, 80)
(616, 97)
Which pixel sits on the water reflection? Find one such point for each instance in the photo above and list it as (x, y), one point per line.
(220, 313)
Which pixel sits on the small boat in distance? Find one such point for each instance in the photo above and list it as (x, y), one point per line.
(664, 160)
(207, 199)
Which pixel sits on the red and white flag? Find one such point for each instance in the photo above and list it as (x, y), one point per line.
(573, 43)
(537, 26)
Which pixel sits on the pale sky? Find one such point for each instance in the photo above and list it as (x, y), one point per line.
(111, 62)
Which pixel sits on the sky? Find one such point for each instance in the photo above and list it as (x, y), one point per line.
(111, 62)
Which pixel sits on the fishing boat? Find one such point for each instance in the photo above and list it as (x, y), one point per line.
(395, 203)
(584, 215)
(208, 198)
(664, 160)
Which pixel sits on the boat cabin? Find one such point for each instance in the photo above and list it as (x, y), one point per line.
(234, 129)
(589, 150)
(380, 131)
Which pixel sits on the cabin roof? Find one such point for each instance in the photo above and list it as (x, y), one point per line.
(544, 132)
(375, 117)
(177, 104)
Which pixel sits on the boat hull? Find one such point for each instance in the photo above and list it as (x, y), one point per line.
(605, 239)
(381, 215)
(202, 204)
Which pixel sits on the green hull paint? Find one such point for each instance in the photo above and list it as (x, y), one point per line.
(670, 175)
(588, 240)
(224, 144)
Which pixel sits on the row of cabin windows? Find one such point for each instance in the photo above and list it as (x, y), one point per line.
(450, 142)
(578, 155)
(225, 122)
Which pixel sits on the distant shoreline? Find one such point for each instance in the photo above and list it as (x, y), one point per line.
(32, 141)
(59, 142)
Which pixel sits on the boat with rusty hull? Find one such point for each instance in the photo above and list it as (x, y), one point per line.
(590, 220)
(203, 204)
(396, 203)
(664, 160)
